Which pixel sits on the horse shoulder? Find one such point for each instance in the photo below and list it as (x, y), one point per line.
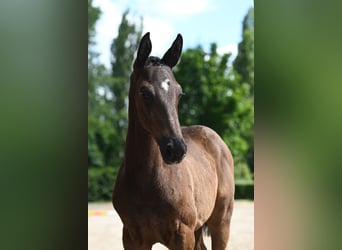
(218, 150)
(209, 139)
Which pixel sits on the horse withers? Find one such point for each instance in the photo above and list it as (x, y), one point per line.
(173, 179)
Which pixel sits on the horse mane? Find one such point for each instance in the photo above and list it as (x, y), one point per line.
(153, 61)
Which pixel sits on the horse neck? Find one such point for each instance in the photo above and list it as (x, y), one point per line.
(141, 149)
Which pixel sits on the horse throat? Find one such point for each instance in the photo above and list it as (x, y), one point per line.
(141, 144)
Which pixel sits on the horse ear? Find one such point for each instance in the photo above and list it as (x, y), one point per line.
(172, 56)
(144, 51)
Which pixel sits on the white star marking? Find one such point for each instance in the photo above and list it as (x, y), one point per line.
(165, 85)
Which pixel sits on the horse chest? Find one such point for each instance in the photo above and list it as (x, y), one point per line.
(156, 211)
(155, 198)
(156, 195)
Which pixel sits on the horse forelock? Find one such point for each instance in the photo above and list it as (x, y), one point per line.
(153, 61)
(143, 72)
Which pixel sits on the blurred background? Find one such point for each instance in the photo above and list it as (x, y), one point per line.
(44, 98)
(216, 72)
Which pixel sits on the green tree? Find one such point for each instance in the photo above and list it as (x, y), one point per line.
(123, 49)
(101, 131)
(107, 105)
(244, 62)
(94, 155)
(244, 65)
(204, 81)
(107, 97)
(214, 97)
(99, 128)
(93, 15)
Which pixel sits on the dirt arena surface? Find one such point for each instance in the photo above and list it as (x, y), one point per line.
(105, 228)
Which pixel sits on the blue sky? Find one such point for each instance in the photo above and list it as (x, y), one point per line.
(199, 21)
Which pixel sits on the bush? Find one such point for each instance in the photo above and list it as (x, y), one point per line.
(101, 183)
(244, 189)
(242, 172)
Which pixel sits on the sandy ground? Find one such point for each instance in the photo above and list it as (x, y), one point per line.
(105, 228)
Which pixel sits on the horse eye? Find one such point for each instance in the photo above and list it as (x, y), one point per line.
(146, 94)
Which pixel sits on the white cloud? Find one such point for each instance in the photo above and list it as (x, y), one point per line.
(162, 32)
(106, 28)
(229, 48)
(162, 35)
(172, 7)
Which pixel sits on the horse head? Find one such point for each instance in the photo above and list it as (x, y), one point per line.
(156, 94)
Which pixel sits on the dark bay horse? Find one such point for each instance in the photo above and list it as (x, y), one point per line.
(173, 179)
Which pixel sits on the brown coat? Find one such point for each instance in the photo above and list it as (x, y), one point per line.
(173, 180)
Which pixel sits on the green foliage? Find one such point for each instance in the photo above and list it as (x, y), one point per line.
(244, 189)
(203, 79)
(214, 97)
(93, 16)
(124, 47)
(244, 66)
(101, 183)
(244, 62)
(242, 171)
(101, 132)
(217, 95)
(107, 96)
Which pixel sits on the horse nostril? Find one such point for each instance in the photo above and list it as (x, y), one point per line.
(181, 152)
(169, 148)
(173, 149)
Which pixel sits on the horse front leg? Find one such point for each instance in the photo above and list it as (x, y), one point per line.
(130, 244)
(183, 239)
(199, 243)
(219, 227)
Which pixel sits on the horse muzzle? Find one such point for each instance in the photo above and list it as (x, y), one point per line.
(172, 149)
